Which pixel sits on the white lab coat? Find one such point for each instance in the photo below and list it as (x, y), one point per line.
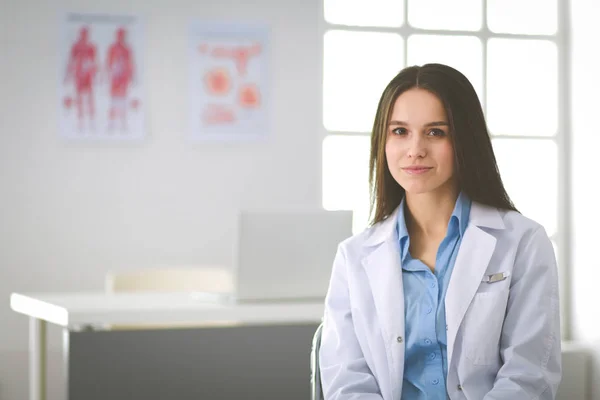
(503, 336)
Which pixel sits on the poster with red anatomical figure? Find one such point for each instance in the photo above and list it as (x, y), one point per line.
(100, 70)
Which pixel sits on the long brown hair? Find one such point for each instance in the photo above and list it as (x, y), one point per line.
(476, 170)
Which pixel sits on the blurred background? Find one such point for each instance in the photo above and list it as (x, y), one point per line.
(70, 211)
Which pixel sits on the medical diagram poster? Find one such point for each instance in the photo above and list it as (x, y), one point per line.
(229, 86)
(100, 94)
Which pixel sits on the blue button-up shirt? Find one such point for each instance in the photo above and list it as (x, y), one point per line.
(425, 360)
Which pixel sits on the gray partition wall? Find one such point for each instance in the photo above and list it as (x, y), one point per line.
(249, 362)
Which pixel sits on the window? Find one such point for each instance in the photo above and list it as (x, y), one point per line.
(513, 52)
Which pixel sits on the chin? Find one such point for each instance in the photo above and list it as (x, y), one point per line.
(412, 189)
(418, 192)
(415, 188)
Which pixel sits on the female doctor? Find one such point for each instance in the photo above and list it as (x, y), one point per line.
(450, 293)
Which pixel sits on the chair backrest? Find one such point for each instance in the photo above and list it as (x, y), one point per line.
(316, 393)
(179, 279)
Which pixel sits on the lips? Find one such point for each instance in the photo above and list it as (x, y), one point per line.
(416, 170)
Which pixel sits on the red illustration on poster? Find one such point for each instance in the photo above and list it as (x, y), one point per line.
(81, 69)
(120, 69)
(228, 74)
(100, 95)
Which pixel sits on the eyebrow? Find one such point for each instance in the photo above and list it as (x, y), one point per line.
(429, 124)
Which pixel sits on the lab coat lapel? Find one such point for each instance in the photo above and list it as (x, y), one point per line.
(472, 261)
(383, 269)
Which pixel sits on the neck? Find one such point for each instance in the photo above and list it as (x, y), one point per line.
(427, 214)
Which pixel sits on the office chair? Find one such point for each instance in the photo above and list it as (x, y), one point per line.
(316, 393)
(199, 278)
(171, 279)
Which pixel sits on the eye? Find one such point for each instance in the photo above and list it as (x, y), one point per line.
(399, 131)
(436, 132)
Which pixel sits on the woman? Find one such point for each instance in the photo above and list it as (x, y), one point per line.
(450, 293)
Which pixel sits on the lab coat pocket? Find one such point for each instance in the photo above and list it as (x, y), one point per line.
(483, 327)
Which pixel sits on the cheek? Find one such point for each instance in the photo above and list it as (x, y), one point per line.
(389, 151)
(447, 157)
(393, 149)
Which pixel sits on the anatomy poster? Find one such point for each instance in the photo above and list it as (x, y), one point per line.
(229, 86)
(100, 77)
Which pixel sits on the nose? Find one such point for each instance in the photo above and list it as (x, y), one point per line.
(417, 148)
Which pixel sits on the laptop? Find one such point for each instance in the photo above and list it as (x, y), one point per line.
(287, 255)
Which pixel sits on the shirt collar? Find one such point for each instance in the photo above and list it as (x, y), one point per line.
(462, 209)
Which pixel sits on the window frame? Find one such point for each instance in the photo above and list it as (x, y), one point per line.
(562, 237)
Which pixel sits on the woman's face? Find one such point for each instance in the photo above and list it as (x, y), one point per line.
(419, 151)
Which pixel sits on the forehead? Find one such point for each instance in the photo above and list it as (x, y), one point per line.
(418, 106)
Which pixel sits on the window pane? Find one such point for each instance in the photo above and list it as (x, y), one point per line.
(461, 52)
(357, 67)
(365, 13)
(529, 170)
(523, 16)
(522, 87)
(464, 15)
(346, 176)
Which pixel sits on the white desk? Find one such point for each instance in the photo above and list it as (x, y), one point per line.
(97, 310)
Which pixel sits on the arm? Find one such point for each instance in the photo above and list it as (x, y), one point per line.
(344, 371)
(131, 66)
(70, 66)
(530, 343)
(106, 70)
(95, 63)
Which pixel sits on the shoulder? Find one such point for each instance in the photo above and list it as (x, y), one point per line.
(517, 223)
(501, 223)
(519, 235)
(353, 244)
(369, 238)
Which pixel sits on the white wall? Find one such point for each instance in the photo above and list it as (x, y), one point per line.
(71, 212)
(586, 180)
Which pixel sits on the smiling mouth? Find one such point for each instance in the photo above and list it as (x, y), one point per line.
(417, 170)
